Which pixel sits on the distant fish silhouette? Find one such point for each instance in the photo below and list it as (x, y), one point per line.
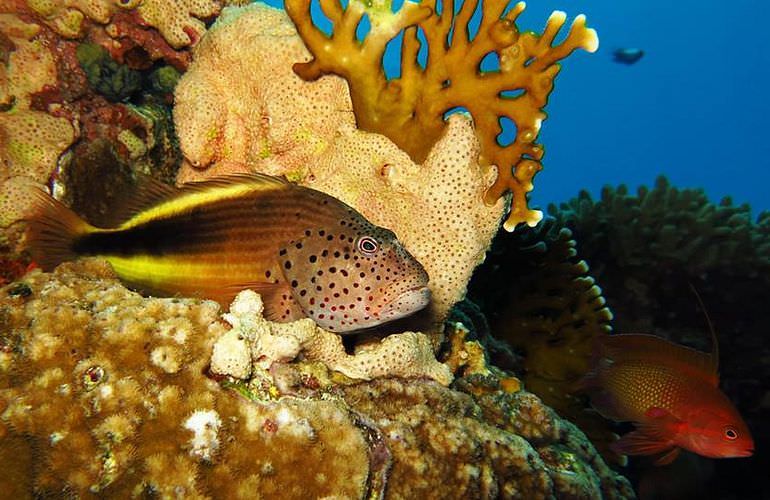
(628, 55)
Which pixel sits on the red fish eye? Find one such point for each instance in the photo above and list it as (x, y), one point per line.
(367, 245)
(731, 433)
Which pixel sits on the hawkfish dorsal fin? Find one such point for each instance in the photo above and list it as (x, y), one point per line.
(149, 192)
(657, 351)
(146, 192)
(254, 179)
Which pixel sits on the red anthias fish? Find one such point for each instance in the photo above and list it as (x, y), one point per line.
(671, 393)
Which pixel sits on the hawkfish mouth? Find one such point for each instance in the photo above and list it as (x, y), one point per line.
(406, 303)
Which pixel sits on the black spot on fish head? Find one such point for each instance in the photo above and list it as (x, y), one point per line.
(316, 273)
(401, 281)
(351, 274)
(366, 277)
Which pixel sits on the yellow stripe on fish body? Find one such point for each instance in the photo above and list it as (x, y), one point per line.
(157, 273)
(196, 198)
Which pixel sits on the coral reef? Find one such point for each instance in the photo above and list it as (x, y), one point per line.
(550, 311)
(31, 140)
(178, 21)
(646, 249)
(105, 393)
(56, 111)
(237, 113)
(408, 354)
(652, 243)
(116, 82)
(365, 170)
(410, 109)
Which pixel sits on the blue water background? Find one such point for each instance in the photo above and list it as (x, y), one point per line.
(694, 108)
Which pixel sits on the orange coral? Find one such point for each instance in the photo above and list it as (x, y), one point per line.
(410, 109)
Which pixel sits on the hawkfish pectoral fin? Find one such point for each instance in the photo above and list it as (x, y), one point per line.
(280, 305)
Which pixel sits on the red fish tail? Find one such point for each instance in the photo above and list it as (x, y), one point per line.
(52, 230)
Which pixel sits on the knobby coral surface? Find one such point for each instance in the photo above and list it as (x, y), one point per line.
(276, 123)
(31, 140)
(103, 392)
(240, 104)
(179, 21)
(551, 311)
(410, 109)
(256, 343)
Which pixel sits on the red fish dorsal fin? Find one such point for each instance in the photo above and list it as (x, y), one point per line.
(714, 341)
(148, 192)
(658, 351)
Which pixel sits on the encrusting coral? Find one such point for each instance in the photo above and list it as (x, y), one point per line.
(179, 21)
(106, 393)
(240, 106)
(31, 140)
(410, 108)
(256, 343)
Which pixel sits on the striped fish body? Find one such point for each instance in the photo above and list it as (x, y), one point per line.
(216, 238)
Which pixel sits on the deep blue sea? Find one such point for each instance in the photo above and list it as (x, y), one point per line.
(694, 108)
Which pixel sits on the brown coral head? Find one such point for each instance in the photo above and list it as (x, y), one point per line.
(410, 109)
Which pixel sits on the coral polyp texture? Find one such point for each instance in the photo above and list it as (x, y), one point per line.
(179, 21)
(240, 106)
(31, 140)
(551, 312)
(410, 109)
(257, 343)
(105, 393)
(274, 122)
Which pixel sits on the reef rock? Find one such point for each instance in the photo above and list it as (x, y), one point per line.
(104, 392)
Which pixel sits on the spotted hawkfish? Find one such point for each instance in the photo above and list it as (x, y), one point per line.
(308, 254)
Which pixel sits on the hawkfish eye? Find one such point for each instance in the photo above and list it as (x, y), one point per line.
(731, 433)
(367, 245)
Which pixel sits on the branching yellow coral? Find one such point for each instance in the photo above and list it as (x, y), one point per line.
(410, 109)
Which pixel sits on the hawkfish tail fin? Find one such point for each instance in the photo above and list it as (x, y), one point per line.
(52, 231)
